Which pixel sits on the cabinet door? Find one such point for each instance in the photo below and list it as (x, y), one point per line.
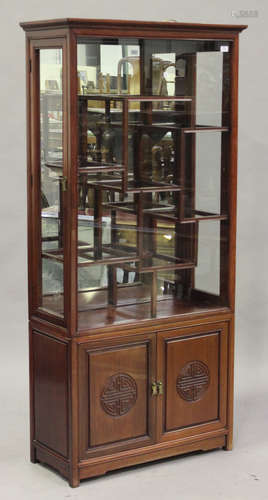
(116, 405)
(192, 365)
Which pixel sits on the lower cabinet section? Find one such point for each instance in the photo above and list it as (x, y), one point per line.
(106, 403)
(152, 388)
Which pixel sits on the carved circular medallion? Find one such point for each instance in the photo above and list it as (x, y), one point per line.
(193, 381)
(119, 395)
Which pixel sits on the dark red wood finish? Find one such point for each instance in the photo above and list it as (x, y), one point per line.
(50, 372)
(69, 368)
(115, 416)
(193, 356)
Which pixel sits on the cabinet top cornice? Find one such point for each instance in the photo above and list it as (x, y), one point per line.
(127, 25)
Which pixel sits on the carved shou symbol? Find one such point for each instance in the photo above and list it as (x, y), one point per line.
(193, 381)
(119, 394)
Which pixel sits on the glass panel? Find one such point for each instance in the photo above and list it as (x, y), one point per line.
(203, 168)
(207, 273)
(51, 161)
(152, 162)
(209, 71)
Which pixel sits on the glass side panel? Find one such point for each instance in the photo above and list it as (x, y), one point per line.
(207, 272)
(153, 135)
(203, 167)
(51, 161)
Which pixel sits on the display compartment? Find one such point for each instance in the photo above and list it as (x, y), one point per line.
(152, 173)
(48, 173)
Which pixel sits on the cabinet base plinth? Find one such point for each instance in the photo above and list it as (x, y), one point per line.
(53, 460)
(139, 456)
(101, 465)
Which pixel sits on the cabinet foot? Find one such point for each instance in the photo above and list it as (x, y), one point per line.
(74, 479)
(229, 443)
(33, 455)
(74, 483)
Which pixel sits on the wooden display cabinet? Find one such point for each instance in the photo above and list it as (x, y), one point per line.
(132, 151)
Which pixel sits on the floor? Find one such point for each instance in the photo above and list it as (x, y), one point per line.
(240, 474)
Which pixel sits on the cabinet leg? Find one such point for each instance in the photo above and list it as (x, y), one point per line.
(229, 442)
(33, 455)
(74, 480)
(74, 483)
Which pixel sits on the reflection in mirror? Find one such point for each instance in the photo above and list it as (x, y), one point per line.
(163, 74)
(108, 67)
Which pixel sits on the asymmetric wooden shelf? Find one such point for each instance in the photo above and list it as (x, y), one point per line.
(132, 151)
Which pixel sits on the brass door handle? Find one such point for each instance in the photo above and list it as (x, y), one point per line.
(157, 388)
(160, 387)
(154, 389)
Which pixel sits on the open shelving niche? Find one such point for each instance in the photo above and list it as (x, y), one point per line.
(149, 216)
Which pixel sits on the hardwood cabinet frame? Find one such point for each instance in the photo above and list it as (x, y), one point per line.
(78, 347)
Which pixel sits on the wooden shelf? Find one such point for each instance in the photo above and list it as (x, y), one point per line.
(92, 167)
(128, 313)
(108, 255)
(161, 263)
(116, 185)
(197, 215)
(204, 128)
(139, 98)
(129, 207)
(89, 167)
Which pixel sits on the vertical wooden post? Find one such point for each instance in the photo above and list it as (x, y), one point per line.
(112, 285)
(125, 145)
(70, 242)
(83, 127)
(74, 479)
(153, 294)
(61, 217)
(71, 195)
(229, 111)
(139, 209)
(97, 223)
